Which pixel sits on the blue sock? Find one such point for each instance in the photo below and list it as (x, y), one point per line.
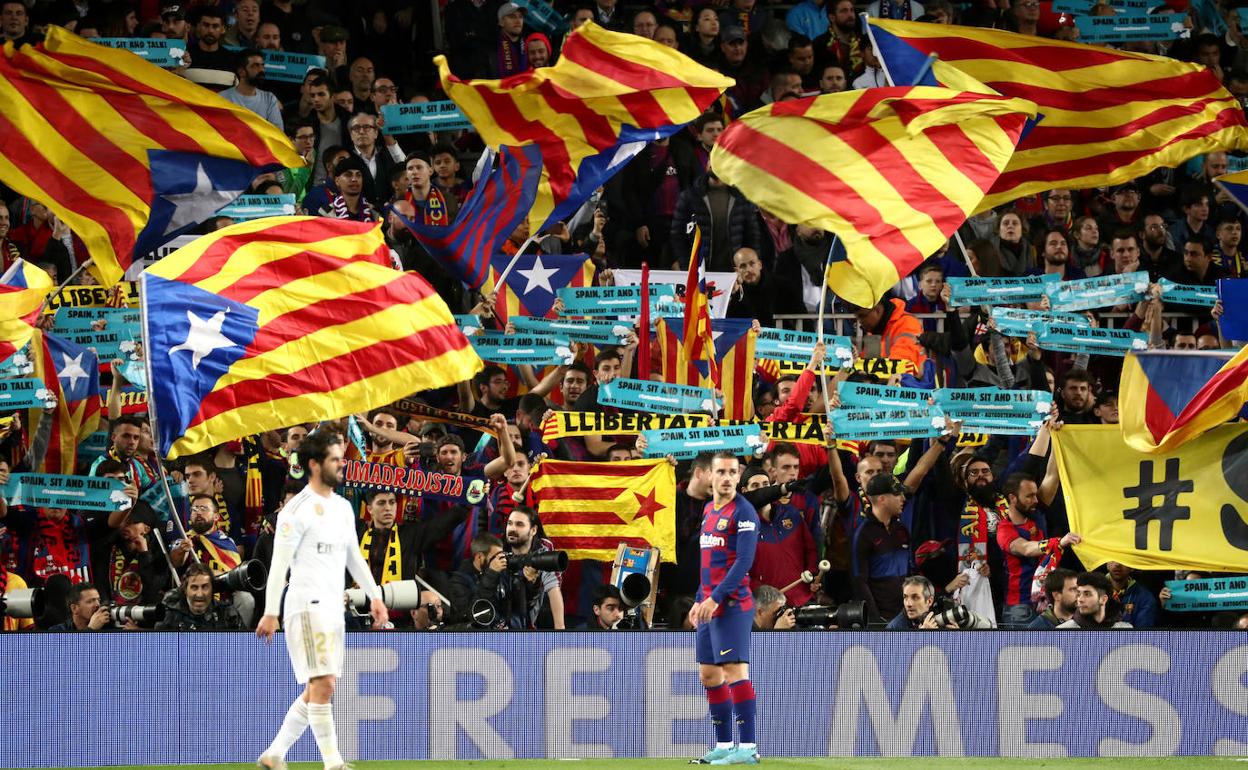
(720, 700)
(743, 703)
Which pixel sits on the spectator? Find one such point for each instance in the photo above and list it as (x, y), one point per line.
(1195, 224)
(645, 24)
(508, 56)
(246, 30)
(1139, 606)
(1077, 401)
(1093, 610)
(754, 292)
(246, 92)
(332, 44)
(1055, 257)
(787, 546)
(728, 222)
(1227, 254)
(85, 611)
(608, 609)
(841, 43)
(702, 44)
(906, 10)
(350, 202)
(321, 195)
(1025, 548)
(15, 24)
(881, 548)
(269, 37)
(1125, 213)
(191, 607)
(890, 332)
(832, 79)
(1158, 253)
(1060, 592)
(1016, 253)
(330, 121)
(807, 18)
(737, 63)
(1088, 252)
(539, 51)
(9, 251)
(379, 161)
(1057, 215)
(207, 52)
(361, 75)
(928, 299)
(666, 35)
(802, 61)
(606, 15)
(173, 24)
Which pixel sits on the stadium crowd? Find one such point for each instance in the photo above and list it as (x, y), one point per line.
(888, 516)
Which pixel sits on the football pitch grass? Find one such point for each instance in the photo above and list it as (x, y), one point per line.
(824, 763)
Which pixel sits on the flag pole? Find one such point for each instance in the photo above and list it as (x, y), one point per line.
(151, 418)
(502, 277)
(823, 303)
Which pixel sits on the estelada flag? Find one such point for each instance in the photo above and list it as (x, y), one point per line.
(1105, 116)
(286, 320)
(1183, 509)
(588, 508)
(72, 373)
(1168, 397)
(23, 288)
(892, 171)
(127, 154)
(734, 355)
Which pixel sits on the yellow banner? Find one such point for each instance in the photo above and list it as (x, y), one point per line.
(565, 424)
(94, 296)
(1186, 509)
(879, 368)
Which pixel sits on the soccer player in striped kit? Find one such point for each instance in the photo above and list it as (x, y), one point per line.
(724, 613)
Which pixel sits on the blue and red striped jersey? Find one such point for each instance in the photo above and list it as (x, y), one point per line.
(1018, 570)
(728, 541)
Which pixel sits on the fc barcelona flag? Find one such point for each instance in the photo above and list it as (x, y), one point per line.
(588, 509)
(1168, 397)
(734, 353)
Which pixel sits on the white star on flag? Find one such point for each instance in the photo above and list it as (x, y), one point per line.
(190, 208)
(204, 337)
(72, 370)
(538, 275)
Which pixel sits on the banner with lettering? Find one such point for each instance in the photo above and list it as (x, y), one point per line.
(594, 331)
(288, 67)
(718, 285)
(78, 493)
(433, 414)
(1188, 294)
(567, 424)
(1130, 29)
(1089, 339)
(248, 207)
(686, 444)
(543, 17)
(360, 474)
(887, 423)
(860, 395)
(1213, 595)
(881, 369)
(618, 301)
(1002, 290)
(76, 319)
(958, 403)
(421, 117)
(162, 52)
(1186, 509)
(25, 393)
(92, 447)
(125, 294)
(1101, 291)
(106, 344)
(500, 348)
(1019, 322)
(797, 346)
(656, 397)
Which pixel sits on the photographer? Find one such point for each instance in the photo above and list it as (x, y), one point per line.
(917, 596)
(85, 611)
(190, 607)
(535, 586)
(608, 609)
(770, 611)
(485, 578)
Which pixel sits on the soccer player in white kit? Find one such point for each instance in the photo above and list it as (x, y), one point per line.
(315, 538)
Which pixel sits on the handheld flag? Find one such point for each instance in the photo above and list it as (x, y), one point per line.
(608, 95)
(696, 336)
(284, 320)
(72, 373)
(499, 202)
(734, 355)
(534, 284)
(588, 509)
(23, 288)
(892, 171)
(1168, 397)
(127, 154)
(1106, 116)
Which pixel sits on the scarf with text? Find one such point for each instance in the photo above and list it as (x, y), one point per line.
(385, 562)
(59, 549)
(124, 579)
(978, 527)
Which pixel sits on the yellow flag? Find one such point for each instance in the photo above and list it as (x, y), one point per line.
(1186, 509)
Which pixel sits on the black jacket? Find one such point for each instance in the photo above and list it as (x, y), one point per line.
(414, 539)
(178, 616)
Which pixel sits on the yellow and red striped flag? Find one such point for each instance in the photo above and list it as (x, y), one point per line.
(698, 342)
(588, 509)
(127, 154)
(892, 171)
(287, 320)
(608, 95)
(1105, 116)
(733, 345)
(23, 288)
